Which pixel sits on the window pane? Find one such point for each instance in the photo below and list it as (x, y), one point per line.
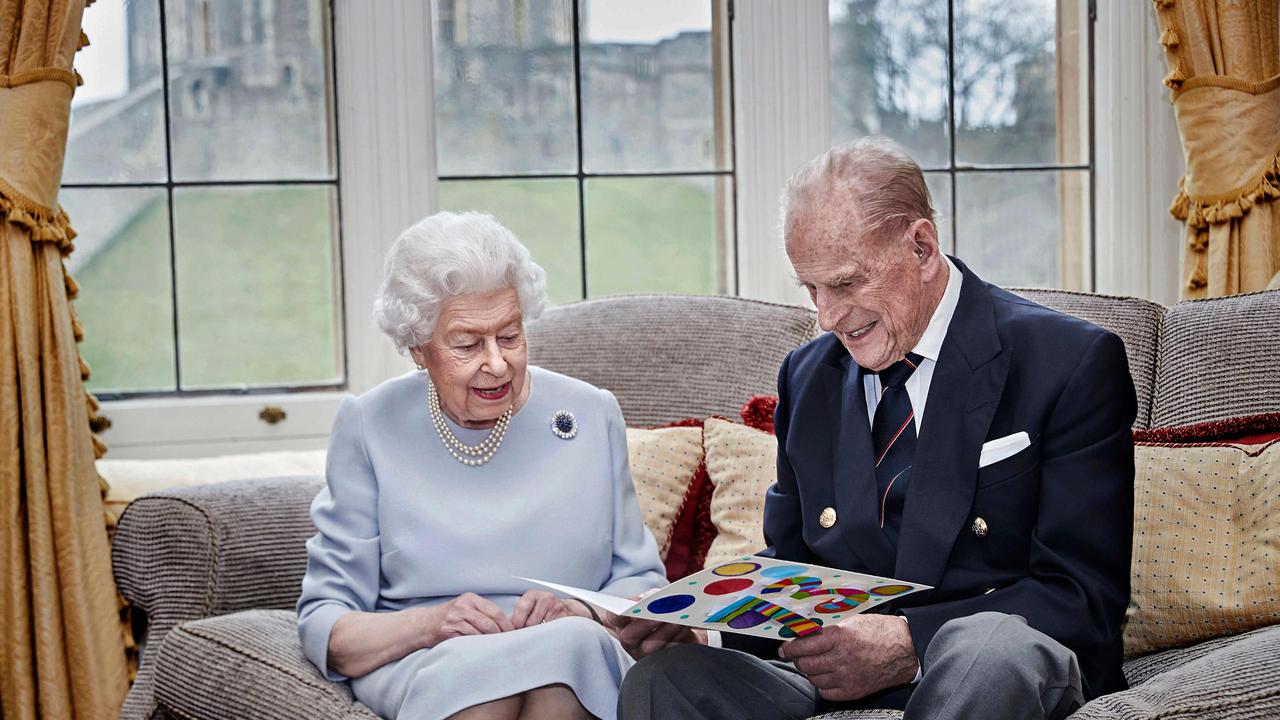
(121, 263)
(657, 235)
(889, 74)
(1020, 81)
(939, 184)
(542, 213)
(504, 86)
(249, 91)
(117, 116)
(651, 87)
(256, 286)
(1024, 228)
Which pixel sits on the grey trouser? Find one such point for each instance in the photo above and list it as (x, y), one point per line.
(989, 665)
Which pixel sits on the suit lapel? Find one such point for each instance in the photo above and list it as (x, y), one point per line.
(964, 393)
(853, 474)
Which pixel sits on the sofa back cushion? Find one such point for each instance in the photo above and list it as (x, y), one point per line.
(1218, 360)
(668, 357)
(1136, 321)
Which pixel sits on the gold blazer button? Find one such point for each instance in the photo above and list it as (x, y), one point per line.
(979, 527)
(827, 518)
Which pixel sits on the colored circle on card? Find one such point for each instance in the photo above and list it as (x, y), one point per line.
(738, 568)
(729, 585)
(890, 589)
(782, 571)
(670, 604)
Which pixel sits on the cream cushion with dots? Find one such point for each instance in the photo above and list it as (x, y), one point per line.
(663, 463)
(1206, 543)
(742, 464)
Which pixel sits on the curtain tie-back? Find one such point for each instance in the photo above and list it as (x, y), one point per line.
(1231, 141)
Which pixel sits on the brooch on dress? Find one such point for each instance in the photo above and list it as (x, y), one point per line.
(564, 425)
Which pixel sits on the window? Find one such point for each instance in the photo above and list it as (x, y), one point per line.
(201, 174)
(599, 131)
(992, 98)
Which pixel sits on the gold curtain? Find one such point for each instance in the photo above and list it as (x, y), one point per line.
(1224, 70)
(61, 650)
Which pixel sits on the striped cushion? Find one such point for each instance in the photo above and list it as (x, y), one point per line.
(668, 357)
(1218, 360)
(1136, 321)
(247, 665)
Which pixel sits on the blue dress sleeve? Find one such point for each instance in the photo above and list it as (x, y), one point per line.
(636, 564)
(343, 557)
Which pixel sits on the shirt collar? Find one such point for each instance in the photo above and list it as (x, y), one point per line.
(930, 344)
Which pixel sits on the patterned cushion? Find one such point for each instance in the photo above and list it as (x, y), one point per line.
(1136, 321)
(670, 356)
(741, 462)
(663, 462)
(249, 664)
(1206, 549)
(1218, 360)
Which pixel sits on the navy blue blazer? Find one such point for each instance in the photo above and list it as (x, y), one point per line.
(1059, 514)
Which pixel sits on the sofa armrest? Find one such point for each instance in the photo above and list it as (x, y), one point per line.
(1232, 677)
(195, 552)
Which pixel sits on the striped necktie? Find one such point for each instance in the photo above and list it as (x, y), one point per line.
(893, 435)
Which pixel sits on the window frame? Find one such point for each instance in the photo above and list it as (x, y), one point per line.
(169, 186)
(382, 80)
(726, 223)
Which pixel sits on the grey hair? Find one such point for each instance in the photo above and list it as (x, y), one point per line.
(874, 177)
(446, 255)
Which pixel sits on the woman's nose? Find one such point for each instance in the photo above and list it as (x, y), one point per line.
(494, 362)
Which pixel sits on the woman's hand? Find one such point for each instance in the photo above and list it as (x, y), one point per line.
(467, 614)
(538, 606)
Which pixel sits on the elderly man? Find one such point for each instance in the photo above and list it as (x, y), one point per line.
(942, 431)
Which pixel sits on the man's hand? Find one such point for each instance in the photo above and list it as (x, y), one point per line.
(467, 614)
(538, 606)
(856, 658)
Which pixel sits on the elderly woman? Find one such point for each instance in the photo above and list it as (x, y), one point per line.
(447, 484)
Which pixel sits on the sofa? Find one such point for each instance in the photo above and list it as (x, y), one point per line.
(212, 572)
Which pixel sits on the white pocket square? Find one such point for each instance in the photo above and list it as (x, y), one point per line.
(993, 451)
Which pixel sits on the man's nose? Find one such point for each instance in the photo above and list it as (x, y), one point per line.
(830, 310)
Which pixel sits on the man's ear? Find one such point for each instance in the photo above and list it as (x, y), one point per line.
(923, 236)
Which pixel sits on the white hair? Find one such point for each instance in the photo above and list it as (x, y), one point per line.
(874, 177)
(446, 255)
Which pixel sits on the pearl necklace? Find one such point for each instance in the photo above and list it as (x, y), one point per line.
(472, 455)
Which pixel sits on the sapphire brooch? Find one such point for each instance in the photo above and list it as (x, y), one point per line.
(564, 425)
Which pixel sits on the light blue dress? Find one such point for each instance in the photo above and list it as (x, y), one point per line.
(403, 524)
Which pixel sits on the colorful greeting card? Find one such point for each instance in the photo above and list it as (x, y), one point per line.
(758, 596)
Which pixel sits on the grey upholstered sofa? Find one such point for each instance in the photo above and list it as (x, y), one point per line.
(213, 572)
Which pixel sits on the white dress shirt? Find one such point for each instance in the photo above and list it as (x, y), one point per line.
(928, 347)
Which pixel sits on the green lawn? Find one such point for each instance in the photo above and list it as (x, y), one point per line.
(256, 288)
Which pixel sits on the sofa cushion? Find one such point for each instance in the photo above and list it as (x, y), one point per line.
(1136, 321)
(663, 464)
(668, 357)
(249, 664)
(742, 464)
(1206, 551)
(1237, 677)
(1218, 360)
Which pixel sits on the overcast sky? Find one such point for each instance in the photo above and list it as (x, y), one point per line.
(103, 63)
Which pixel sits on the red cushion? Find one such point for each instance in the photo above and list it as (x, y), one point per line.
(692, 531)
(758, 412)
